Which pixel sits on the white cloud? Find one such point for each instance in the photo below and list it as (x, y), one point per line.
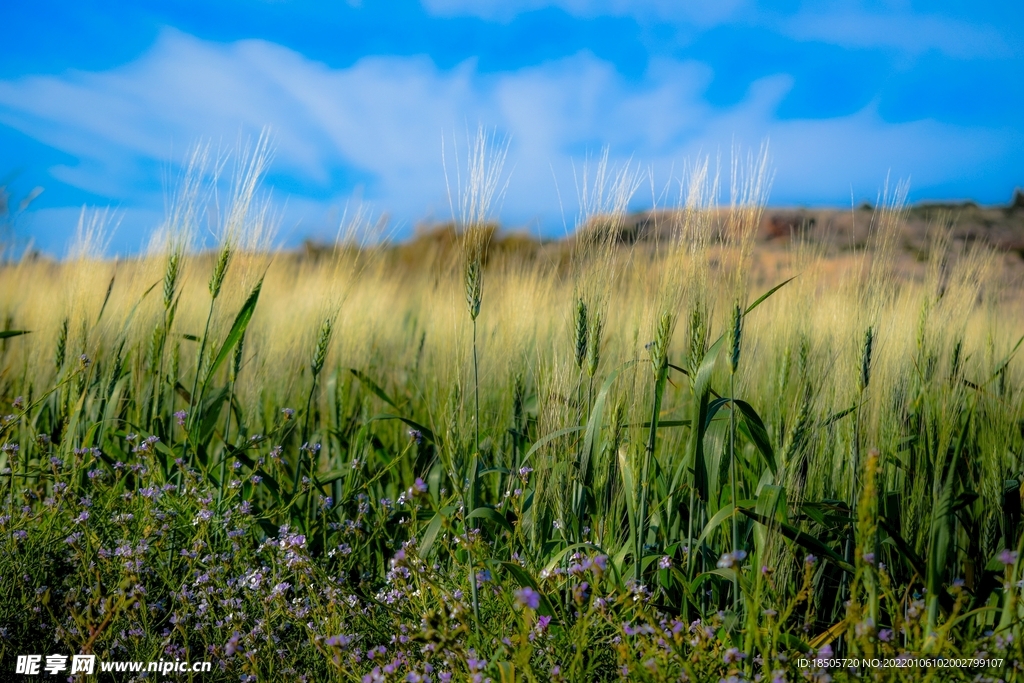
(905, 32)
(383, 118)
(699, 12)
(843, 23)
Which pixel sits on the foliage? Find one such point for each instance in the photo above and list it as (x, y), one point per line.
(544, 501)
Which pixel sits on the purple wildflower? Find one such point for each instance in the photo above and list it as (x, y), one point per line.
(527, 597)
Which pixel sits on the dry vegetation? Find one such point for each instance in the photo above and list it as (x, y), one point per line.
(485, 455)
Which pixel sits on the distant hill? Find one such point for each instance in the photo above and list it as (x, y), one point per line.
(836, 230)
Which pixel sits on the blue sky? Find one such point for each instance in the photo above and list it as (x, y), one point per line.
(100, 101)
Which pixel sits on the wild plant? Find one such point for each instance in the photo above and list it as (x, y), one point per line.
(317, 503)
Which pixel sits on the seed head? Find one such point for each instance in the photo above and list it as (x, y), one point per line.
(787, 361)
(236, 358)
(956, 360)
(171, 277)
(618, 422)
(62, 344)
(594, 343)
(865, 364)
(922, 327)
(220, 270)
(474, 285)
(580, 332)
(156, 345)
(698, 339)
(659, 348)
(322, 343)
(803, 357)
(175, 363)
(735, 332)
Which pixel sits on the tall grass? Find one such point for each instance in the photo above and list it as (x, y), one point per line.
(648, 460)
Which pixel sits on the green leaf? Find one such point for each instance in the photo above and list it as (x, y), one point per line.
(103, 307)
(211, 414)
(426, 432)
(791, 642)
(237, 330)
(942, 532)
(596, 418)
(800, 538)
(713, 523)
(7, 334)
(492, 515)
(767, 294)
(332, 476)
(373, 386)
(758, 434)
(628, 489)
(471, 486)
(430, 535)
(1006, 361)
(963, 500)
(506, 672)
(835, 417)
(713, 408)
(547, 438)
(771, 501)
(183, 392)
(696, 448)
(702, 382)
(662, 424)
(729, 575)
(904, 549)
(90, 435)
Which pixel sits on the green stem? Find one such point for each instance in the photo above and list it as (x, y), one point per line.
(468, 505)
(847, 550)
(476, 385)
(689, 552)
(652, 436)
(193, 402)
(154, 411)
(735, 500)
(223, 460)
(305, 438)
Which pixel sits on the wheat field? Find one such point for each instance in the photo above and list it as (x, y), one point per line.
(673, 458)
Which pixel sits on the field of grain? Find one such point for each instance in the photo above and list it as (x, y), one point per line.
(681, 458)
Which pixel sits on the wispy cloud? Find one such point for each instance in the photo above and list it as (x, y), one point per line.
(700, 12)
(376, 127)
(903, 32)
(847, 23)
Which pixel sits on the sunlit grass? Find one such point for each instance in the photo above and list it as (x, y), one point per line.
(526, 469)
